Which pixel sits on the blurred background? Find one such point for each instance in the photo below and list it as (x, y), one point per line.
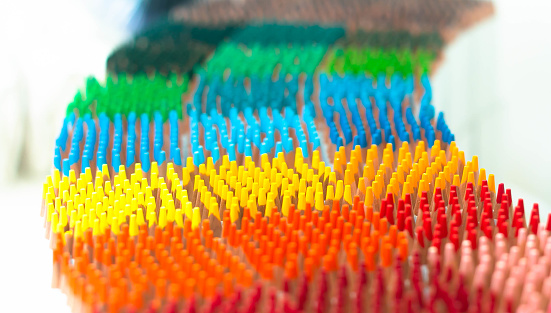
(493, 86)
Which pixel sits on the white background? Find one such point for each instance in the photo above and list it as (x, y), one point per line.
(493, 85)
(494, 88)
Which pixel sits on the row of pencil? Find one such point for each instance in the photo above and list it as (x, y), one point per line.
(416, 16)
(213, 237)
(356, 110)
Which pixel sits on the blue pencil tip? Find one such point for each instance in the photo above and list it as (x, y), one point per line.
(66, 167)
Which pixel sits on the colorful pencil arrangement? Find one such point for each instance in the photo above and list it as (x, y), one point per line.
(304, 171)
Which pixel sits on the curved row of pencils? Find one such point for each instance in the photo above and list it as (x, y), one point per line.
(325, 186)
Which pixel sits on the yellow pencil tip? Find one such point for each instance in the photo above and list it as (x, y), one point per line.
(456, 180)
(492, 183)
